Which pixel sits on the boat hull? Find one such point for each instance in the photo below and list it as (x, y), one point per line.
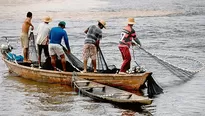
(110, 94)
(126, 82)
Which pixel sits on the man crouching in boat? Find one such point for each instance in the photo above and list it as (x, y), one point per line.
(128, 38)
(24, 36)
(55, 48)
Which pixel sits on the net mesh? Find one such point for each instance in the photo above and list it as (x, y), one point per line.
(175, 65)
(101, 63)
(32, 48)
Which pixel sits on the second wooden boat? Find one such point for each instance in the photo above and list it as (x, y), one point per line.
(106, 93)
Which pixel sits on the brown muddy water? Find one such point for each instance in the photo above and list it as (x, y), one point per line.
(171, 29)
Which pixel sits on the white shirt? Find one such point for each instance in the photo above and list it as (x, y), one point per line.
(43, 31)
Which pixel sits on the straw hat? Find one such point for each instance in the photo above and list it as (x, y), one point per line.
(47, 19)
(102, 22)
(131, 21)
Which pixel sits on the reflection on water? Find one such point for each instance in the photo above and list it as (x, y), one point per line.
(49, 99)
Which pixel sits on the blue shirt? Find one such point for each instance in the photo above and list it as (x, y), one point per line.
(57, 34)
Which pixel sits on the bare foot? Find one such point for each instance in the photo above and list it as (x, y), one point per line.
(27, 61)
(84, 71)
(122, 73)
(95, 71)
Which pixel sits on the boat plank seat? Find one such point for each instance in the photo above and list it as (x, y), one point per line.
(86, 82)
(90, 88)
(117, 95)
(122, 94)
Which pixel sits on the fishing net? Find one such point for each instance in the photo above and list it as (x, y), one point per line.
(73, 60)
(32, 48)
(73, 63)
(101, 63)
(152, 87)
(183, 67)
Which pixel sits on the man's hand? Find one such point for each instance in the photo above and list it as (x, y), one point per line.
(86, 31)
(133, 44)
(32, 27)
(97, 43)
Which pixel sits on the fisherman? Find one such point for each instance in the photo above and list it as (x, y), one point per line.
(128, 38)
(55, 48)
(92, 41)
(43, 31)
(24, 36)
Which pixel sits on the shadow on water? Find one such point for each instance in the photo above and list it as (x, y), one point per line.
(27, 85)
(129, 109)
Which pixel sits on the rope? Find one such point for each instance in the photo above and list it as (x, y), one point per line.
(134, 57)
(74, 75)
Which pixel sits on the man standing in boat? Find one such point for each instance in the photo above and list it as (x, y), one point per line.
(24, 36)
(42, 40)
(128, 38)
(92, 40)
(55, 48)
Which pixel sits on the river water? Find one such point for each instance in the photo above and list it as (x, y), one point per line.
(172, 29)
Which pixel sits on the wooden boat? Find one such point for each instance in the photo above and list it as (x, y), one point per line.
(108, 76)
(126, 82)
(109, 94)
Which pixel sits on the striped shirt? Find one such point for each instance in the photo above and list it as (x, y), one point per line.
(127, 36)
(94, 33)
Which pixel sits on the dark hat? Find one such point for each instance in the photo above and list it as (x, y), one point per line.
(62, 23)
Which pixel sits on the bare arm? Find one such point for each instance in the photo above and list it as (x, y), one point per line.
(28, 21)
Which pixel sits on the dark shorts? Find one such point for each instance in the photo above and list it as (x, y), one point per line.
(45, 48)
